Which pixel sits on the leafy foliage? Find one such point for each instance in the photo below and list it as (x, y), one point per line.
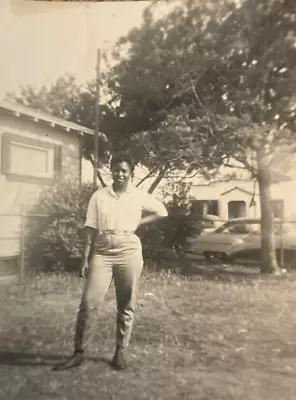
(164, 238)
(208, 83)
(228, 65)
(55, 238)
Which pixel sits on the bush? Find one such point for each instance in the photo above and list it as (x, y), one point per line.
(56, 239)
(165, 238)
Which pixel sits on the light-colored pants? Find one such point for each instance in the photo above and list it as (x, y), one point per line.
(119, 258)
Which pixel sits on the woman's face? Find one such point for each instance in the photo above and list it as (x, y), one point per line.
(121, 173)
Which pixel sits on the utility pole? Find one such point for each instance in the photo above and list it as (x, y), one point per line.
(97, 120)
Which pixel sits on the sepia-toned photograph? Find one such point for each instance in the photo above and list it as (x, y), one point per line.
(86, 1)
(147, 212)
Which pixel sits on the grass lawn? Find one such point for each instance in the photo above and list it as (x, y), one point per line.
(196, 338)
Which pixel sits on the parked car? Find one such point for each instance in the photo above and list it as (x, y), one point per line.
(240, 239)
(210, 223)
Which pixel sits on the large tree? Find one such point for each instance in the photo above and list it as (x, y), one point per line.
(230, 71)
(148, 87)
(255, 94)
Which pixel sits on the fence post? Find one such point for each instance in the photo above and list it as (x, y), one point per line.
(22, 243)
(282, 260)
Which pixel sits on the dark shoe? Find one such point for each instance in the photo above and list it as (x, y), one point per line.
(118, 362)
(74, 361)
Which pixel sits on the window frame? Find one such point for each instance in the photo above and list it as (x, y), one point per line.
(211, 203)
(6, 160)
(242, 202)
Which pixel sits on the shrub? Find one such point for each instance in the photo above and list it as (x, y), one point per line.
(55, 240)
(165, 238)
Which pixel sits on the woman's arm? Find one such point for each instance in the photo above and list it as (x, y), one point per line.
(90, 230)
(155, 209)
(151, 218)
(89, 236)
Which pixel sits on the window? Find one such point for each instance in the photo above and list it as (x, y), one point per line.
(26, 159)
(236, 209)
(205, 207)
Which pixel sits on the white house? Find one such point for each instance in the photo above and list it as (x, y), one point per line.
(240, 198)
(36, 149)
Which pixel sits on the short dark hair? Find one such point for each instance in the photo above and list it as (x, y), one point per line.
(122, 156)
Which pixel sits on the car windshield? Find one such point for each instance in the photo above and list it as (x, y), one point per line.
(240, 227)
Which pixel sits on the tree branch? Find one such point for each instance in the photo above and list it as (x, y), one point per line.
(149, 175)
(100, 178)
(186, 176)
(195, 94)
(247, 165)
(158, 179)
(234, 166)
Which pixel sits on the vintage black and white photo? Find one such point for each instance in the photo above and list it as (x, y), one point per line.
(147, 212)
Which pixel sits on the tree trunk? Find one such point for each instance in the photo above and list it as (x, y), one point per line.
(268, 251)
(157, 181)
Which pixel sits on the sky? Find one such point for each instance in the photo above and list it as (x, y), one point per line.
(41, 41)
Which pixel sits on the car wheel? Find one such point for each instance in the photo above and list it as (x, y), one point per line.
(207, 255)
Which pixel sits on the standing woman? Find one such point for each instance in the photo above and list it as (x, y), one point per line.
(115, 252)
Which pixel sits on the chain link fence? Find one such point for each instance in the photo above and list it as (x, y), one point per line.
(15, 240)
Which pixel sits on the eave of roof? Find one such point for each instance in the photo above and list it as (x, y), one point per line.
(239, 189)
(21, 110)
(213, 183)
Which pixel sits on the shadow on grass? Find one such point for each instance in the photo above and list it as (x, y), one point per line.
(37, 360)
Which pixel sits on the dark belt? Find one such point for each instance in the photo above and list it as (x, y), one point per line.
(115, 232)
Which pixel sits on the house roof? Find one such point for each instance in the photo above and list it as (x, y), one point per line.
(215, 182)
(21, 110)
(238, 188)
